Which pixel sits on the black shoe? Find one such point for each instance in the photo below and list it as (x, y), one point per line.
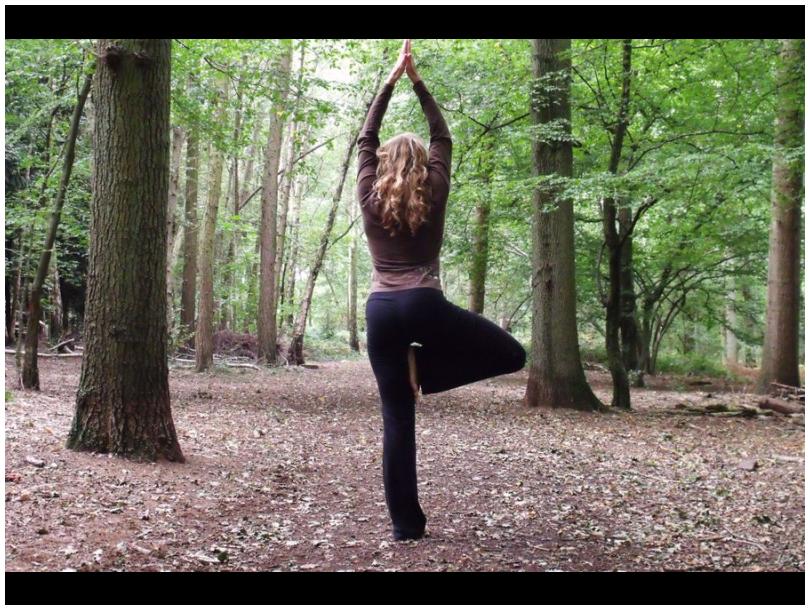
(400, 535)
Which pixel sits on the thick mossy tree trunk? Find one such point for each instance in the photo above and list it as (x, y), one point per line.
(204, 335)
(780, 351)
(123, 405)
(266, 323)
(556, 376)
(189, 285)
(30, 373)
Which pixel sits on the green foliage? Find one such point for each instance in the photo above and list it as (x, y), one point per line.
(698, 150)
(694, 364)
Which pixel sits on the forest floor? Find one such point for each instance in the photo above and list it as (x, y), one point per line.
(284, 472)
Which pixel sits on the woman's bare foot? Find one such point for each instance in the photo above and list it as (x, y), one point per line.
(412, 372)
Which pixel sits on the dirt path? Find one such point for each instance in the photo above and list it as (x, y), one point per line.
(284, 473)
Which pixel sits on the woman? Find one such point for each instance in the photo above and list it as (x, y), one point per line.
(403, 189)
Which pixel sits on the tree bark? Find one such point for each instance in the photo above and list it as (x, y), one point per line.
(123, 404)
(30, 374)
(630, 339)
(480, 238)
(178, 139)
(614, 244)
(57, 307)
(354, 342)
(295, 139)
(204, 336)
(18, 352)
(20, 291)
(295, 352)
(229, 273)
(556, 376)
(292, 261)
(190, 242)
(731, 345)
(267, 330)
(780, 351)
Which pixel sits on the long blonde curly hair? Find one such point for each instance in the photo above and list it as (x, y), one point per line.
(402, 183)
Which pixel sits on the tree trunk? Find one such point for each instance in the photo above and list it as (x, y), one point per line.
(629, 326)
(178, 138)
(10, 297)
(295, 352)
(292, 262)
(295, 139)
(30, 374)
(556, 376)
(190, 243)
(18, 352)
(20, 291)
(252, 281)
(480, 238)
(123, 404)
(244, 197)
(267, 330)
(204, 337)
(229, 275)
(780, 350)
(352, 215)
(731, 347)
(750, 326)
(614, 244)
(57, 307)
(647, 322)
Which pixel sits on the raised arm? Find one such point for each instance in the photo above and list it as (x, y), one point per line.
(441, 143)
(369, 140)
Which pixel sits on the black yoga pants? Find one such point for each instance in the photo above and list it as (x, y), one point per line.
(457, 347)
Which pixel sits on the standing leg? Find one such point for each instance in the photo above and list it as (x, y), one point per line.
(388, 352)
(460, 347)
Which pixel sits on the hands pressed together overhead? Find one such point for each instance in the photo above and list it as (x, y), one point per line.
(404, 64)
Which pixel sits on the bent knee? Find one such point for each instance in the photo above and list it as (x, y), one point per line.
(517, 358)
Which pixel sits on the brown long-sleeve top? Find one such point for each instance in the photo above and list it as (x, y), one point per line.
(404, 260)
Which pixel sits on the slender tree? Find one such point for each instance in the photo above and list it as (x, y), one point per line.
(780, 352)
(731, 345)
(123, 404)
(556, 376)
(190, 242)
(292, 261)
(480, 237)
(267, 266)
(295, 352)
(30, 374)
(294, 139)
(353, 216)
(614, 240)
(178, 139)
(204, 335)
(229, 275)
(57, 309)
(628, 324)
